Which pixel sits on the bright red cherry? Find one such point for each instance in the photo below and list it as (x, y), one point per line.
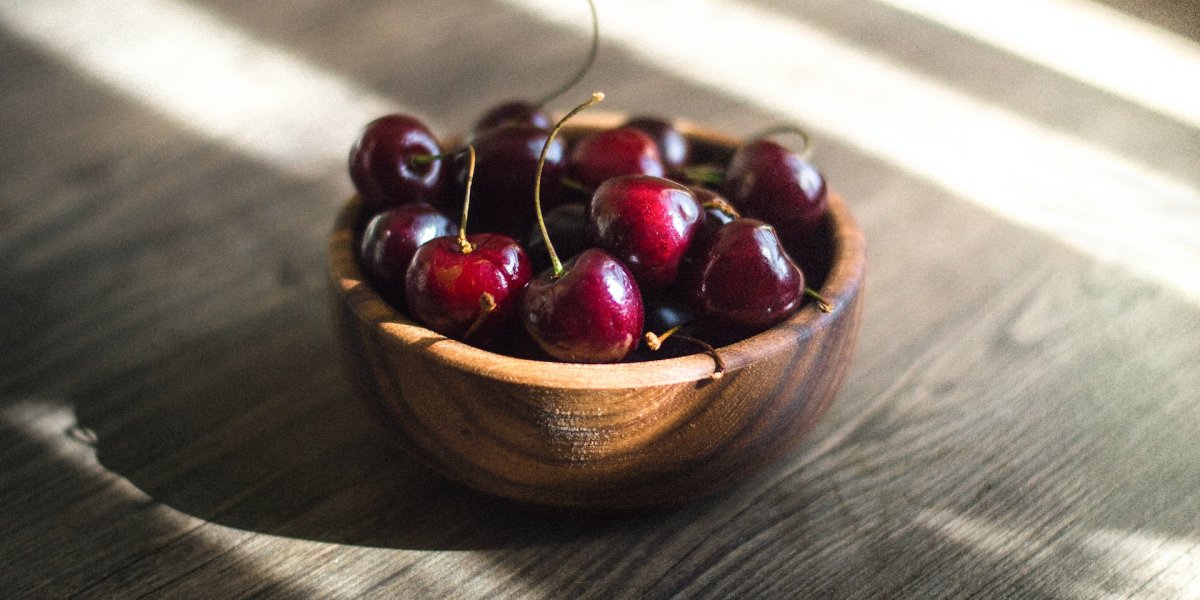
(648, 222)
(391, 163)
(449, 286)
(591, 312)
(390, 240)
(467, 287)
(609, 153)
(504, 177)
(746, 282)
(673, 147)
(769, 182)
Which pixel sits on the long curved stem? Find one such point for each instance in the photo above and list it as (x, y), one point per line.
(587, 65)
(596, 98)
(804, 152)
(654, 342)
(463, 244)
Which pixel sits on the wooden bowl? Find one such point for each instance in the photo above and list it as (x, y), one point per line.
(601, 436)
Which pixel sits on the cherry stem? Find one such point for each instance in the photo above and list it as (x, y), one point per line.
(722, 206)
(463, 244)
(487, 304)
(825, 305)
(704, 174)
(596, 98)
(425, 159)
(654, 342)
(587, 65)
(804, 152)
(575, 184)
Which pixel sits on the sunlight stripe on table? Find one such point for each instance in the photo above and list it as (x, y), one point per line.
(1106, 205)
(1086, 41)
(1107, 562)
(207, 75)
(220, 81)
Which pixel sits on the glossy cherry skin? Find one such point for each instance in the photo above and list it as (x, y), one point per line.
(444, 284)
(673, 147)
(612, 152)
(512, 112)
(567, 226)
(766, 181)
(591, 313)
(647, 222)
(390, 240)
(381, 165)
(714, 215)
(505, 169)
(746, 282)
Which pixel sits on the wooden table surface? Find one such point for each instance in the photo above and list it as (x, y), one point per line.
(1021, 420)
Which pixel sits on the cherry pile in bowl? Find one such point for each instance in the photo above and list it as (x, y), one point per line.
(626, 243)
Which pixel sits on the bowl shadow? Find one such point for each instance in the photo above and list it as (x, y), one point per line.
(256, 428)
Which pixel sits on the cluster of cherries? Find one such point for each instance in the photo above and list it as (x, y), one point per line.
(654, 242)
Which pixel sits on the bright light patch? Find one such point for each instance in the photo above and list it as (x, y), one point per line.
(1110, 207)
(1086, 41)
(207, 75)
(1120, 564)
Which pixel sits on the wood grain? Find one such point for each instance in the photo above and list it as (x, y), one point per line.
(1020, 419)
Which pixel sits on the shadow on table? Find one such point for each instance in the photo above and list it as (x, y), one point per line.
(255, 428)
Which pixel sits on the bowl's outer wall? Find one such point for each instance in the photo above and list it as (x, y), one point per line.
(619, 445)
(638, 446)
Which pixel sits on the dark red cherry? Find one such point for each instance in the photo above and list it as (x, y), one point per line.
(590, 313)
(746, 282)
(717, 212)
(382, 164)
(513, 112)
(766, 181)
(390, 240)
(445, 285)
(647, 222)
(567, 226)
(673, 147)
(609, 153)
(506, 166)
